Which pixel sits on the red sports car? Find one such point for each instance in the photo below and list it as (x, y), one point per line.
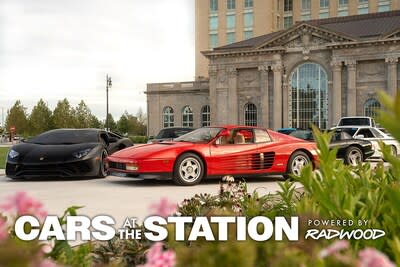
(215, 152)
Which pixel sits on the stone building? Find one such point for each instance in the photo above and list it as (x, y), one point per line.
(222, 22)
(314, 72)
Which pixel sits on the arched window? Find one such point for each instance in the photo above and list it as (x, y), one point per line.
(168, 117)
(371, 107)
(187, 116)
(308, 97)
(250, 114)
(205, 116)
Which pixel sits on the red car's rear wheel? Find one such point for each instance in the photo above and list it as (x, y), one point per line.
(188, 169)
(297, 162)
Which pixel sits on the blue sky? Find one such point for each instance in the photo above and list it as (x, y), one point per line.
(53, 49)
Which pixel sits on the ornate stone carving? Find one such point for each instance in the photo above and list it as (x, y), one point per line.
(277, 67)
(351, 64)
(391, 60)
(263, 68)
(336, 65)
(247, 77)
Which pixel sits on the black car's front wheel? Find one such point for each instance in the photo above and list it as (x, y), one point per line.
(102, 164)
(298, 160)
(188, 169)
(353, 156)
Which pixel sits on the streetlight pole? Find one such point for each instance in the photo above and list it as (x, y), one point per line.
(108, 85)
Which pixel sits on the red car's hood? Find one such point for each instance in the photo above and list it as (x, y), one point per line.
(148, 150)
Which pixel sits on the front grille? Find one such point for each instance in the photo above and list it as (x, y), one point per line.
(63, 169)
(117, 165)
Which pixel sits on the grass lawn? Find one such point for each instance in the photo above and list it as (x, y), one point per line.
(3, 154)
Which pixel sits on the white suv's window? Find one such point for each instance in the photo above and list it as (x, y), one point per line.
(354, 121)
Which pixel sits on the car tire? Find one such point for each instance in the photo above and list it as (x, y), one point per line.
(188, 169)
(296, 163)
(102, 164)
(353, 156)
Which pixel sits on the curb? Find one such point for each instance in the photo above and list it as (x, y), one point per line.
(2, 171)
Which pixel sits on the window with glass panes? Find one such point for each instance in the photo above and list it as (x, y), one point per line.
(213, 23)
(248, 19)
(324, 3)
(230, 37)
(305, 4)
(343, 3)
(248, 3)
(384, 6)
(168, 117)
(287, 22)
(230, 4)
(213, 5)
(213, 39)
(288, 5)
(205, 116)
(230, 21)
(248, 34)
(371, 107)
(250, 114)
(187, 116)
(343, 13)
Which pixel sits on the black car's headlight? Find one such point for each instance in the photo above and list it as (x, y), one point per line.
(82, 153)
(12, 154)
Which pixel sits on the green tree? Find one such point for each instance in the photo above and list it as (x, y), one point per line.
(123, 124)
(83, 116)
(111, 123)
(17, 117)
(64, 115)
(142, 122)
(95, 122)
(40, 119)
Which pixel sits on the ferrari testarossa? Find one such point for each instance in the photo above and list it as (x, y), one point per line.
(215, 152)
(64, 153)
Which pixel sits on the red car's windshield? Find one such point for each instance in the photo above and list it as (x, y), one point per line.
(201, 135)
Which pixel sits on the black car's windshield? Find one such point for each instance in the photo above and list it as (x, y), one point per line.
(201, 135)
(59, 137)
(354, 121)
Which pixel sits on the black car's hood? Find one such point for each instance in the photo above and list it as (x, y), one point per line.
(38, 153)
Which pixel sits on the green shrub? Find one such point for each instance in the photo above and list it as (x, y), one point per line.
(138, 139)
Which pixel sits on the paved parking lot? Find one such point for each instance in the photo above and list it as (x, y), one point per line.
(116, 196)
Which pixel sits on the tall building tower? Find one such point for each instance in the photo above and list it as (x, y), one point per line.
(222, 22)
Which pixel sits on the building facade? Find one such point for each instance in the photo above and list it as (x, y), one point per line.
(222, 22)
(314, 72)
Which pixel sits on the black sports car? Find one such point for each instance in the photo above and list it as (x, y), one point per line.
(351, 150)
(64, 153)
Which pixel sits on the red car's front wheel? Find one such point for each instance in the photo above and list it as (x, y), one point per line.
(188, 169)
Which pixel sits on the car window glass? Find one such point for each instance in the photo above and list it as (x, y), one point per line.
(376, 133)
(366, 132)
(354, 121)
(242, 136)
(261, 136)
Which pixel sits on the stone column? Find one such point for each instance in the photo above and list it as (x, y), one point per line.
(232, 104)
(212, 73)
(264, 71)
(351, 88)
(392, 75)
(337, 91)
(277, 121)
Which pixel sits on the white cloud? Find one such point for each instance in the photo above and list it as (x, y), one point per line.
(53, 49)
